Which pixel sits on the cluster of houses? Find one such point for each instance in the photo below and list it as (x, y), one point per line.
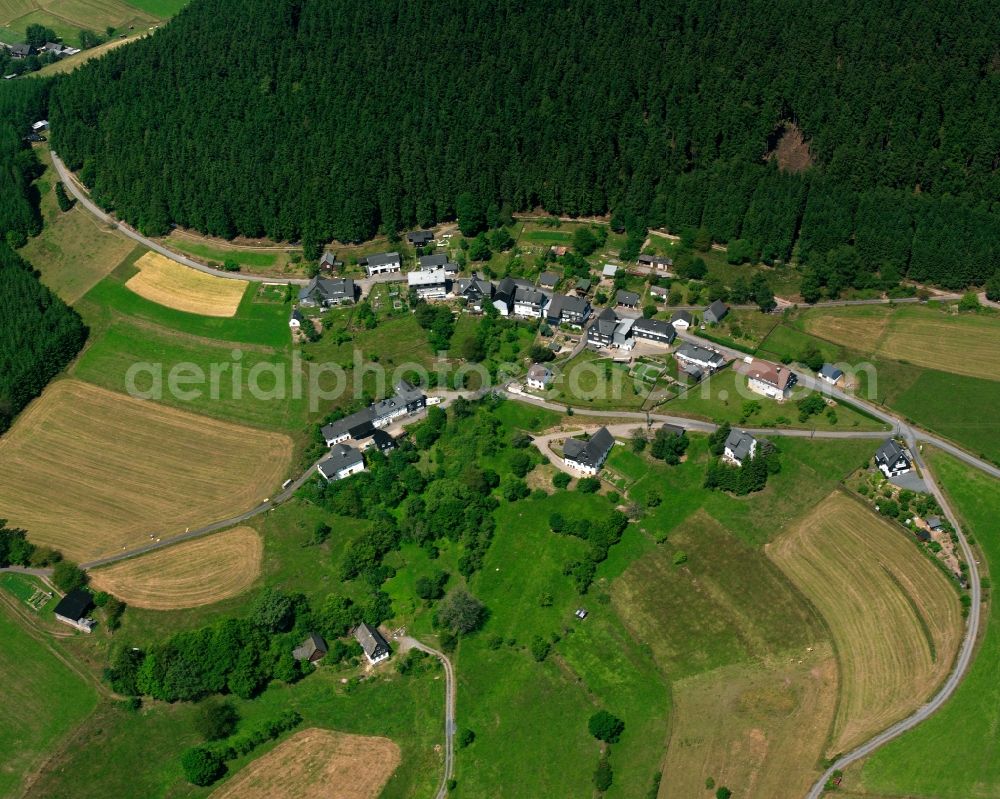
(347, 438)
(21, 51)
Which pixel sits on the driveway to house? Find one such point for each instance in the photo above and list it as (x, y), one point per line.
(450, 694)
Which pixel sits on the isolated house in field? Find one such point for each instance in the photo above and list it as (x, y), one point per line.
(655, 330)
(602, 332)
(548, 280)
(627, 299)
(567, 309)
(830, 373)
(375, 647)
(344, 461)
(771, 380)
(19, 51)
(529, 302)
(539, 377)
(420, 238)
(892, 459)
(73, 609)
(322, 293)
(740, 447)
(660, 262)
(681, 320)
(297, 320)
(588, 456)
(314, 648)
(715, 312)
(382, 263)
(705, 359)
(429, 284)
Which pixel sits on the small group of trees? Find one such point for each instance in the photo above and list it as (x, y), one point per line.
(600, 535)
(751, 476)
(607, 728)
(669, 447)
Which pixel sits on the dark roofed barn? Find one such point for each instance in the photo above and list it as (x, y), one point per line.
(312, 649)
(73, 608)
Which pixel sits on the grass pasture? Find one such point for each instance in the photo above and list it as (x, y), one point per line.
(317, 764)
(188, 575)
(955, 754)
(43, 700)
(137, 469)
(759, 729)
(894, 617)
(169, 283)
(68, 17)
(966, 344)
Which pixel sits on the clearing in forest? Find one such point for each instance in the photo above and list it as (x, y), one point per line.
(189, 575)
(759, 727)
(169, 283)
(894, 617)
(317, 764)
(90, 472)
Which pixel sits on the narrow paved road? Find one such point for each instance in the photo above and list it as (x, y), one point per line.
(450, 695)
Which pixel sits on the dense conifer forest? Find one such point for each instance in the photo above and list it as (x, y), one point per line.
(322, 119)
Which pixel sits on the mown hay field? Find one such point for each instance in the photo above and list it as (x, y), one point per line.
(757, 728)
(92, 472)
(169, 283)
(894, 617)
(68, 17)
(188, 575)
(317, 764)
(964, 344)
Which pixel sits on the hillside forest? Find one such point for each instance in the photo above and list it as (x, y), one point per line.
(315, 120)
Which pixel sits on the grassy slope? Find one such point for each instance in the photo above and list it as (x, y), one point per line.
(955, 754)
(43, 699)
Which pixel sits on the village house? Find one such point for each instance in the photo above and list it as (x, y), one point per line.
(830, 373)
(771, 380)
(702, 357)
(582, 286)
(588, 456)
(73, 609)
(660, 262)
(429, 284)
(892, 459)
(375, 647)
(327, 293)
(19, 51)
(602, 332)
(344, 461)
(58, 50)
(430, 262)
(627, 299)
(566, 309)
(329, 262)
(548, 280)
(622, 339)
(539, 377)
(715, 312)
(474, 290)
(381, 441)
(610, 271)
(681, 320)
(420, 238)
(740, 447)
(382, 263)
(506, 291)
(313, 649)
(655, 330)
(658, 293)
(529, 302)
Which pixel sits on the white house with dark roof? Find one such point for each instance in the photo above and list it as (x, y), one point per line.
(296, 320)
(344, 461)
(539, 377)
(655, 330)
(567, 309)
(740, 447)
(588, 456)
(771, 380)
(529, 302)
(702, 357)
(474, 290)
(830, 373)
(892, 459)
(435, 261)
(382, 263)
(681, 320)
(602, 331)
(375, 647)
(73, 609)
